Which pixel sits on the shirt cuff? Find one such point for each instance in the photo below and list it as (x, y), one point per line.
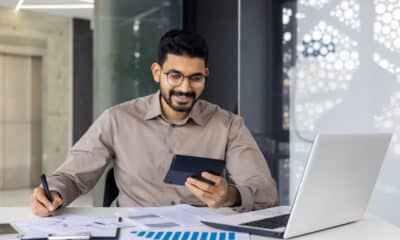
(59, 193)
(61, 188)
(52, 189)
(247, 199)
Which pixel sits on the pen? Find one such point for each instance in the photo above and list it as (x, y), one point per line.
(69, 237)
(46, 187)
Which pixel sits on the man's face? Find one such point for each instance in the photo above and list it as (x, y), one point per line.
(180, 98)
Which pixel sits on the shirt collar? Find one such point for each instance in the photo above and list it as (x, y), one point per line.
(154, 110)
(154, 107)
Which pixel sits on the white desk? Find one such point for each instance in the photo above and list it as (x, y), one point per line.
(369, 228)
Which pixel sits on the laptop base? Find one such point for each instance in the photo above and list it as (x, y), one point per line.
(262, 232)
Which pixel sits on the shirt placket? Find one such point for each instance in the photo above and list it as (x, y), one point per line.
(170, 139)
(170, 142)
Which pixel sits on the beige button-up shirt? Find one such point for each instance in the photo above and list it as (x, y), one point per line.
(139, 140)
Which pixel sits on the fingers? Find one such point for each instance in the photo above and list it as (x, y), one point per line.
(213, 178)
(38, 207)
(41, 197)
(40, 210)
(200, 184)
(199, 193)
(212, 195)
(57, 200)
(41, 206)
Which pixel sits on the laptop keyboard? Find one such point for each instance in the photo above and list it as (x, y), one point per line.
(273, 222)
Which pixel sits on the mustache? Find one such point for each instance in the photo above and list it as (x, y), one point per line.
(178, 93)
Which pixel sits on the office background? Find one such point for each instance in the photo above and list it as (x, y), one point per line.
(290, 68)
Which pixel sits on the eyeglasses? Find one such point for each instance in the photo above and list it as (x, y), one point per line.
(175, 78)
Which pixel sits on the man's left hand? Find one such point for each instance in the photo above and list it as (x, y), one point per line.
(218, 195)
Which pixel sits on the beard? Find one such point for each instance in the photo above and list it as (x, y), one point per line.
(177, 107)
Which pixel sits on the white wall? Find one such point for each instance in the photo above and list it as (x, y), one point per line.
(349, 82)
(36, 34)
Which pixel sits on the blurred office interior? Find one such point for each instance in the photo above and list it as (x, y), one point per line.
(290, 68)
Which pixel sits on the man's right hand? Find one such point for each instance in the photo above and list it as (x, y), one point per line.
(41, 206)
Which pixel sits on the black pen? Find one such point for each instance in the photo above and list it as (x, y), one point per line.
(46, 188)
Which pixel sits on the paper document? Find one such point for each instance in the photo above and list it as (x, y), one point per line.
(69, 224)
(189, 235)
(171, 216)
(34, 234)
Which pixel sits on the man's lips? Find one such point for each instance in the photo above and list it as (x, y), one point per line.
(182, 98)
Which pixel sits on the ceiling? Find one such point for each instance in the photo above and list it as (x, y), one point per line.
(69, 8)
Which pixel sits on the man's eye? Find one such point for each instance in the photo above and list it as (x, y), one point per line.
(175, 75)
(196, 78)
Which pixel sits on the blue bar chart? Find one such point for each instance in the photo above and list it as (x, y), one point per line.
(189, 235)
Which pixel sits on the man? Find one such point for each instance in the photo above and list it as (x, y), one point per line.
(143, 134)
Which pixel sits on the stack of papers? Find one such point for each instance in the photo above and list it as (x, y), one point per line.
(188, 235)
(171, 216)
(7, 231)
(70, 224)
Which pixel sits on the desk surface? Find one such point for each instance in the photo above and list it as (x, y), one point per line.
(370, 228)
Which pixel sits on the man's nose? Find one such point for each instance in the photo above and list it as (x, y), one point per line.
(186, 85)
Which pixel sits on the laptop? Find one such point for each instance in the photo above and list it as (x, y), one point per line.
(337, 182)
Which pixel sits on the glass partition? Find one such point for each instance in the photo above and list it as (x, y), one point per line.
(126, 39)
(346, 78)
(126, 35)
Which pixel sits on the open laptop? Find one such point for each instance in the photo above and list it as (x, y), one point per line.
(338, 180)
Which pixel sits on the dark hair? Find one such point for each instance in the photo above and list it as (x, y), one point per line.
(181, 42)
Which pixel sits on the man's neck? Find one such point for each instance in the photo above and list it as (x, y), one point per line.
(170, 114)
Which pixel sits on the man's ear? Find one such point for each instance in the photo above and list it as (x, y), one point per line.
(207, 71)
(156, 70)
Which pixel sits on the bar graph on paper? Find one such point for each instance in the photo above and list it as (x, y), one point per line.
(188, 235)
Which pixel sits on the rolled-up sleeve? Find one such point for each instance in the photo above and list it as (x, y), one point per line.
(85, 162)
(249, 169)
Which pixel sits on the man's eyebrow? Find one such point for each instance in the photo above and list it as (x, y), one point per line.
(196, 74)
(174, 70)
(193, 74)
